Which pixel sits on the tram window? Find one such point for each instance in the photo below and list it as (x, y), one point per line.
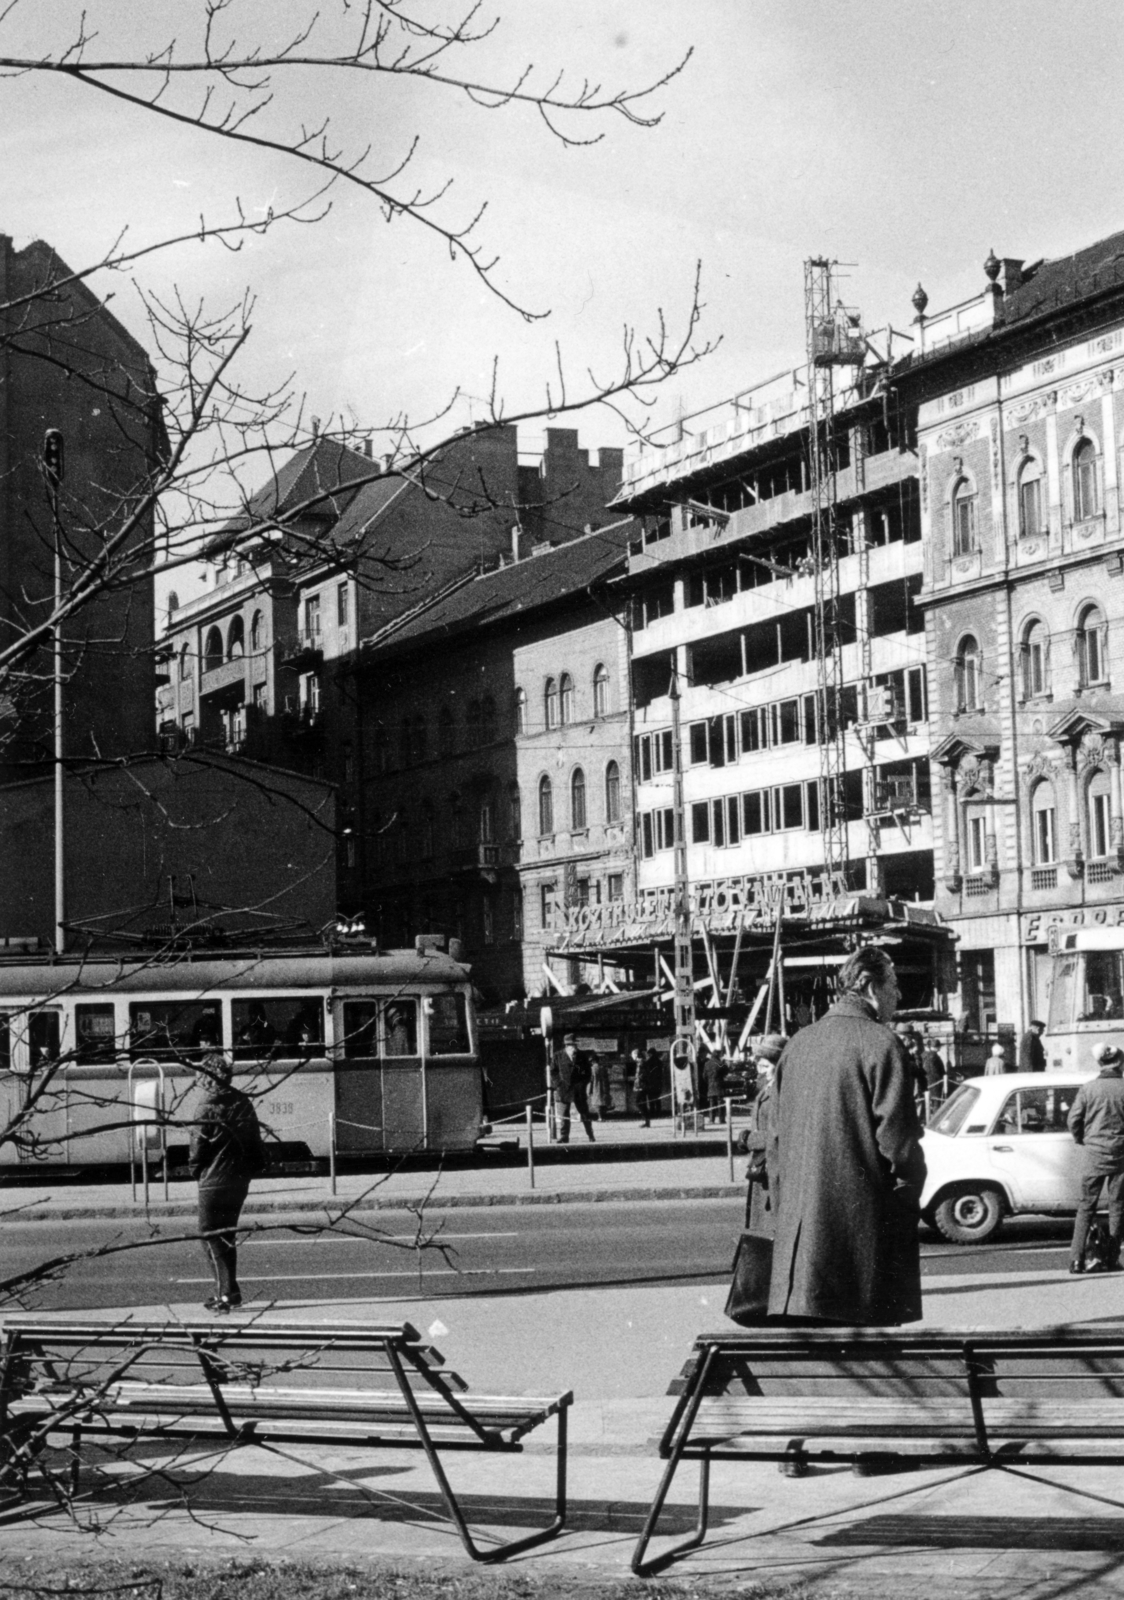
(400, 1028)
(43, 1038)
(448, 1025)
(168, 1029)
(1103, 995)
(5, 1043)
(277, 1027)
(94, 1026)
(360, 1028)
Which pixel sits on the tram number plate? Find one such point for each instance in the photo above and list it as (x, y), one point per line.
(279, 1108)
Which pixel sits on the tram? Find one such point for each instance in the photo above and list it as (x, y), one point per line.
(1086, 995)
(369, 1054)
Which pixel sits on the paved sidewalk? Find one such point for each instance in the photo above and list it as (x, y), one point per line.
(931, 1534)
(627, 1163)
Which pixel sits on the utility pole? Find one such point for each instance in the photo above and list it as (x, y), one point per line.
(683, 1045)
(53, 466)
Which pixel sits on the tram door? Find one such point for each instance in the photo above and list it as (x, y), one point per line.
(379, 1090)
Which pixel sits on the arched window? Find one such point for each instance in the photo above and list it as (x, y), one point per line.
(1086, 481)
(173, 602)
(446, 732)
(515, 813)
(257, 632)
(1036, 659)
(550, 703)
(565, 699)
(968, 675)
(487, 822)
(236, 640)
(520, 711)
(1092, 665)
(487, 719)
(1044, 825)
(600, 691)
(1031, 521)
(975, 823)
(185, 664)
(546, 807)
(963, 518)
(577, 801)
(212, 651)
(1099, 813)
(612, 792)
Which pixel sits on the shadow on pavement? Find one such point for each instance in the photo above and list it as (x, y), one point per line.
(955, 1532)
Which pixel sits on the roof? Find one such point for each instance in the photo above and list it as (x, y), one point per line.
(322, 468)
(512, 591)
(215, 975)
(1059, 283)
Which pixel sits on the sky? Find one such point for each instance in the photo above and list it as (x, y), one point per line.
(902, 138)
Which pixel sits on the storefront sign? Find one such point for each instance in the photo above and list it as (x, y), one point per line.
(1037, 926)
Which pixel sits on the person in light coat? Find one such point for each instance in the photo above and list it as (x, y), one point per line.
(846, 1166)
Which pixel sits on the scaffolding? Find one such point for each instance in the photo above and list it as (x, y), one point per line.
(832, 341)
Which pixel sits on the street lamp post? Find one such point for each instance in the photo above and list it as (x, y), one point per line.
(53, 465)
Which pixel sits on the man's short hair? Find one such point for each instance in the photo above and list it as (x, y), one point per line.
(870, 962)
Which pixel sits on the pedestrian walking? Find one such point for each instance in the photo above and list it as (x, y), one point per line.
(1096, 1121)
(570, 1075)
(647, 1083)
(600, 1091)
(712, 1072)
(1032, 1052)
(932, 1064)
(226, 1152)
(846, 1167)
(996, 1061)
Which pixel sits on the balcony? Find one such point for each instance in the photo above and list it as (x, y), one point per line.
(479, 857)
(227, 678)
(308, 653)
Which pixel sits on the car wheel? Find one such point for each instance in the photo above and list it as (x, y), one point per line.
(969, 1216)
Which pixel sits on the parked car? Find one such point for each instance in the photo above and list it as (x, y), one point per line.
(1000, 1147)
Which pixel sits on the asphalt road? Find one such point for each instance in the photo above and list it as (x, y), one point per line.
(487, 1251)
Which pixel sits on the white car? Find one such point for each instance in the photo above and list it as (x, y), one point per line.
(999, 1146)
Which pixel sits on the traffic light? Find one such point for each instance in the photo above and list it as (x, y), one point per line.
(53, 456)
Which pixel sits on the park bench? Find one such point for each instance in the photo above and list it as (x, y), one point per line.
(887, 1399)
(248, 1381)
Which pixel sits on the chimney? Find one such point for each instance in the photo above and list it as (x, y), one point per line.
(1012, 274)
(316, 427)
(367, 447)
(516, 534)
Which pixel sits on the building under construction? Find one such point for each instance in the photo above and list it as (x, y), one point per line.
(779, 662)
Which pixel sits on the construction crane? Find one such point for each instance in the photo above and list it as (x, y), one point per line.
(833, 340)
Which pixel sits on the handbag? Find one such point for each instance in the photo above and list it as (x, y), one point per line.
(748, 1300)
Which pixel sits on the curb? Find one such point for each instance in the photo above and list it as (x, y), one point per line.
(263, 1208)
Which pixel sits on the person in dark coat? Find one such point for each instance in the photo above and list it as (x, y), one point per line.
(1096, 1121)
(226, 1152)
(932, 1064)
(712, 1074)
(570, 1077)
(1032, 1053)
(647, 1083)
(846, 1167)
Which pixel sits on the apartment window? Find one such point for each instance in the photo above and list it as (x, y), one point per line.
(665, 829)
(310, 694)
(718, 822)
(257, 632)
(427, 832)
(185, 664)
(786, 722)
(753, 730)
(1091, 662)
(733, 819)
(614, 886)
(917, 709)
(612, 792)
(189, 727)
(489, 920)
(312, 618)
(977, 843)
(342, 605)
(566, 699)
(700, 822)
(654, 754)
(520, 711)
(446, 732)
(261, 698)
(487, 823)
(812, 805)
(963, 518)
(1086, 481)
(517, 913)
(647, 840)
(577, 801)
(1031, 522)
(600, 691)
(791, 805)
(515, 812)
(1100, 828)
(755, 812)
(1036, 660)
(811, 721)
(967, 675)
(474, 724)
(546, 905)
(487, 720)
(212, 651)
(1044, 825)
(546, 807)
(550, 704)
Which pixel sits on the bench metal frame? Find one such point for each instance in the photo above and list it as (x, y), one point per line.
(51, 1343)
(976, 1352)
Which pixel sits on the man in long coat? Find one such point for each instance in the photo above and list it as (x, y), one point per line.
(570, 1077)
(846, 1167)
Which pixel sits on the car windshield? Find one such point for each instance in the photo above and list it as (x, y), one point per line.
(949, 1118)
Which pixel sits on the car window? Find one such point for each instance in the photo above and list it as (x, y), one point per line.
(949, 1118)
(1037, 1110)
